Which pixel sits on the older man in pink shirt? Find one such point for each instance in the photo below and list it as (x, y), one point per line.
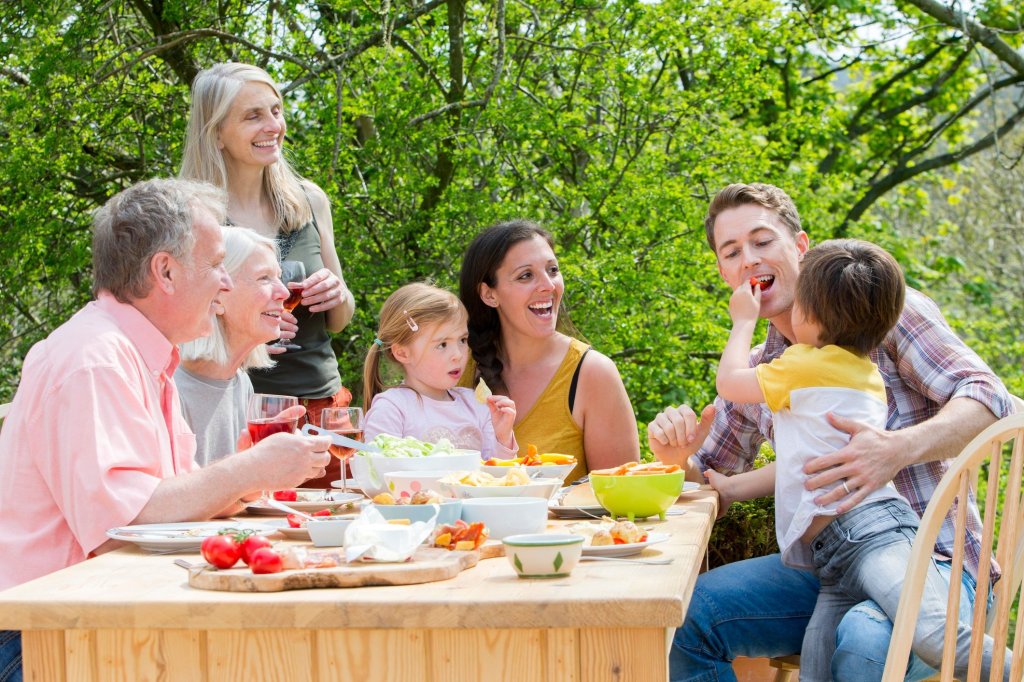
(95, 437)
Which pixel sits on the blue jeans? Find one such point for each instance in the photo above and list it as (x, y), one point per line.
(10, 656)
(759, 607)
(864, 554)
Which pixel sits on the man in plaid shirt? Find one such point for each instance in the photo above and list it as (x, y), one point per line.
(940, 395)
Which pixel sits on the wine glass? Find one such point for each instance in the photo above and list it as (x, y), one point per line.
(345, 421)
(293, 273)
(267, 414)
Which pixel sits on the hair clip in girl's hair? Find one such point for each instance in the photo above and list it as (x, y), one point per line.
(411, 322)
(380, 344)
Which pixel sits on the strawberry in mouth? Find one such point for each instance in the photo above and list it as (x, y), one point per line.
(763, 281)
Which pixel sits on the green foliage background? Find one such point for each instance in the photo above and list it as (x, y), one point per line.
(612, 123)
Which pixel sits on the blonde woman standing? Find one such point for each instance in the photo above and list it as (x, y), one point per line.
(235, 140)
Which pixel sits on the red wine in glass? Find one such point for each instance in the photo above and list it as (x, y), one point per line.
(293, 274)
(294, 296)
(261, 428)
(265, 415)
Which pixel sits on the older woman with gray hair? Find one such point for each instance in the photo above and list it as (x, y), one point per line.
(212, 378)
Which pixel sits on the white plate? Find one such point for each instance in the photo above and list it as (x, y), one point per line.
(167, 537)
(282, 527)
(335, 497)
(689, 487)
(596, 512)
(625, 550)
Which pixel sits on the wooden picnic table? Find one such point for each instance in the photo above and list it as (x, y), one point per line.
(130, 615)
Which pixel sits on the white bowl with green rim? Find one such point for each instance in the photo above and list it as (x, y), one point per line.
(543, 555)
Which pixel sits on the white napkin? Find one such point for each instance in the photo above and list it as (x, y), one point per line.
(371, 538)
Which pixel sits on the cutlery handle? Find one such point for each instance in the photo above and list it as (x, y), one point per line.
(338, 439)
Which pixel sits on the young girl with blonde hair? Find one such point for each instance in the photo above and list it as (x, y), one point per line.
(423, 333)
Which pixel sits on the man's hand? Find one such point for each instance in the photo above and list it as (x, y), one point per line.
(720, 482)
(871, 459)
(284, 460)
(675, 433)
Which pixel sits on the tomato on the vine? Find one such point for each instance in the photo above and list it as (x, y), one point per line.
(265, 560)
(250, 544)
(221, 551)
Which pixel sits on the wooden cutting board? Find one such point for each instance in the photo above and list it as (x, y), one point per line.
(428, 564)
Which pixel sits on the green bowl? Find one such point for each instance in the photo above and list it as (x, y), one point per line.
(638, 496)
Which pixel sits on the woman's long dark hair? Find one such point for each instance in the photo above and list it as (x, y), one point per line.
(479, 265)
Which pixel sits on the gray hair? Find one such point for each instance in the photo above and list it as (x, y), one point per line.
(213, 92)
(239, 245)
(137, 223)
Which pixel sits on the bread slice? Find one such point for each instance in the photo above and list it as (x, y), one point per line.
(581, 495)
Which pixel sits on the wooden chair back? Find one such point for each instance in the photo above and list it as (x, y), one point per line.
(998, 453)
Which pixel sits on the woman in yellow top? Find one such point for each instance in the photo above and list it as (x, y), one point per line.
(569, 397)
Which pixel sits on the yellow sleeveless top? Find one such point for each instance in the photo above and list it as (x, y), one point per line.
(549, 424)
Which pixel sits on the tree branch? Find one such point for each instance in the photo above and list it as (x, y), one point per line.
(956, 19)
(373, 40)
(905, 172)
(173, 41)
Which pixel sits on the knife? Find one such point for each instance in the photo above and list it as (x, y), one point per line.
(338, 439)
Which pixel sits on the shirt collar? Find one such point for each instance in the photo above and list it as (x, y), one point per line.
(159, 354)
(774, 344)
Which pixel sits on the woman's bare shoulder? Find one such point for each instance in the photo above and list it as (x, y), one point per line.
(317, 197)
(598, 368)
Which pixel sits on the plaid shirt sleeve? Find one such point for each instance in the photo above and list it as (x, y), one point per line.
(739, 429)
(734, 440)
(926, 365)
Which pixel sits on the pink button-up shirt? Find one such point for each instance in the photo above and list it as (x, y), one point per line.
(94, 427)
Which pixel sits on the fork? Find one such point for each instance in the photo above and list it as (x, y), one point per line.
(655, 562)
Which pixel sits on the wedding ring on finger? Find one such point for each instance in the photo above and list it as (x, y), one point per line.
(846, 487)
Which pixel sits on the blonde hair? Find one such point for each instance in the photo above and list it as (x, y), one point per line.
(239, 245)
(213, 91)
(406, 312)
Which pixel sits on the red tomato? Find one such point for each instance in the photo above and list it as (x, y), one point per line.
(286, 495)
(265, 560)
(754, 281)
(295, 521)
(250, 544)
(220, 550)
(322, 512)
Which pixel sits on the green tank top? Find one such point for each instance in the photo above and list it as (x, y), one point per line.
(311, 372)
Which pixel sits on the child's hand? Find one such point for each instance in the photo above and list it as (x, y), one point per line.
(745, 302)
(722, 485)
(503, 416)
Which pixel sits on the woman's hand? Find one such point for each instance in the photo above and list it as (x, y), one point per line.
(287, 333)
(323, 290)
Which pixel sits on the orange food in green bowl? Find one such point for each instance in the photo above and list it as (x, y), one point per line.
(637, 496)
